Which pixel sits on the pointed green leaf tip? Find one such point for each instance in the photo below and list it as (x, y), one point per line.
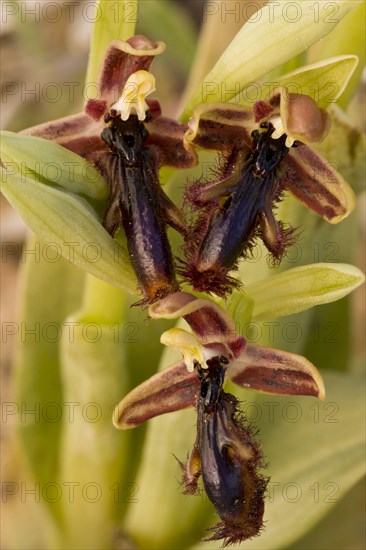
(272, 36)
(50, 164)
(300, 288)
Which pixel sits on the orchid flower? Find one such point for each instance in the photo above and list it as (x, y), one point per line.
(128, 154)
(224, 453)
(253, 175)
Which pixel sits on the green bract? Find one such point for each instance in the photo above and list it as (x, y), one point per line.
(264, 42)
(51, 164)
(298, 289)
(68, 222)
(324, 81)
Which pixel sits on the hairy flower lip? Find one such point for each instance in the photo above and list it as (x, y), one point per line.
(228, 458)
(236, 211)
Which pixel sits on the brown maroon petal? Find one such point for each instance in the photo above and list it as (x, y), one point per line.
(167, 136)
(63, 128)
(121, 60)
(274, 371)
(210, 323)
(220, 126)
(261, 110)
(317, 184)
(171, 390)
(78, 133)
(96, 108)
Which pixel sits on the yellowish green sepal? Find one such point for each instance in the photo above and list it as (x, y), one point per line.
(301, 288)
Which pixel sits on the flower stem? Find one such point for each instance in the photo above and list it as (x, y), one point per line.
(94, 376)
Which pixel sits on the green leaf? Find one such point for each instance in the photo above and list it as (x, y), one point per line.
(324, 81)
(343, 527)
(268, 39)
(51, 164)
(348, 37)
(67, 223)
(302, 288)
(315, 452)
(113, 21)
(169, 22)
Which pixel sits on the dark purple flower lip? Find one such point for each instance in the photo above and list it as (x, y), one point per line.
(234, 212)
(227, 457)
(138, 203)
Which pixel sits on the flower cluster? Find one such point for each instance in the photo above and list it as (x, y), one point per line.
(263, 152)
